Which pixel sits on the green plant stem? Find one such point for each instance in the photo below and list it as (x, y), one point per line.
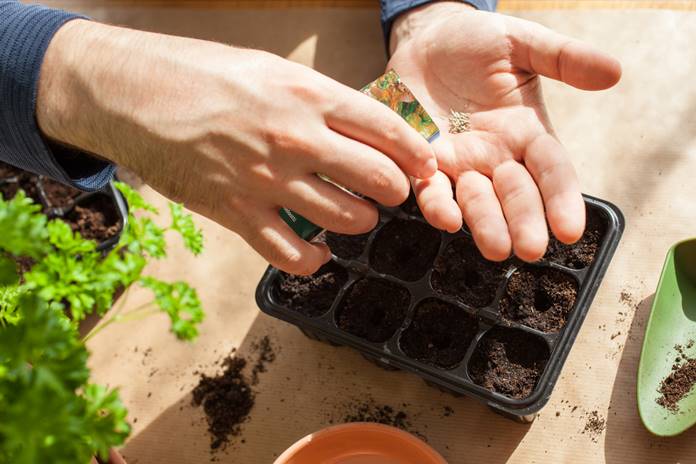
(140, 312)
(122, 301)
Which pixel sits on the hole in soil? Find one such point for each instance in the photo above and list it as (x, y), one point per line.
(542, 301)
(311, 295)
(540, 298)
(472, 278)
(373, 309)
(95, 218)
(463, 273)
(405, 249)
(509, 361)
(582, 253)
(441, 342)
(439, 334)
(344, 246)
(59, 195)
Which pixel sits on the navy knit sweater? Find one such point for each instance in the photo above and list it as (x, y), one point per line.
(25, 32)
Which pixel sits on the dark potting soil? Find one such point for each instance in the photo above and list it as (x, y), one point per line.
(580, 254)
(594, 426)
(539, 298)
(463, 273)
(58, 195)
(95, 218)
(404, 249)
(509, 361)
(439, 334)
(227, 400)
(345, 246)
(370, 411)
(679, 382)
(24, 265)
(265, 355)
(25, 181)
(373, 309)
(312, 295)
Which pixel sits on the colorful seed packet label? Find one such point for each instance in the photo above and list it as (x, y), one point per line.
(391, 91)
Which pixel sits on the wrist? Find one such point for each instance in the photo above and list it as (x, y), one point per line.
(410, 23)
(62, 98)
(104, 89)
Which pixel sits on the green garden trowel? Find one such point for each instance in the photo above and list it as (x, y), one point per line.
(672, 322)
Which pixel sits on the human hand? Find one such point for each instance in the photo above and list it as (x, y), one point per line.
(509, 170)
(234, 134)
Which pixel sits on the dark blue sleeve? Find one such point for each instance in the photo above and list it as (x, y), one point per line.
(393, 8)
(25, 32)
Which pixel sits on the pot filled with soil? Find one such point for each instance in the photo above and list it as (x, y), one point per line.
(411, 297)
(98, 216)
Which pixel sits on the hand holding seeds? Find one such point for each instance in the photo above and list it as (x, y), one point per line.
(233, 134)
(478, 74)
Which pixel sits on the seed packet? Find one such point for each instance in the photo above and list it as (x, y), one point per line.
(390, 90)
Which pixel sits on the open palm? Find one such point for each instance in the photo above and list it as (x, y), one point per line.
(509, 171)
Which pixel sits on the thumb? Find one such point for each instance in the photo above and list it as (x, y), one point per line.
(540, 50)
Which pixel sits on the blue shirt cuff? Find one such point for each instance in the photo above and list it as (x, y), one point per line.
(391, 9)
(25, 33)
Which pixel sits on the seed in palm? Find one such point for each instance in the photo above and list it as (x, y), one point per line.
(459, 122)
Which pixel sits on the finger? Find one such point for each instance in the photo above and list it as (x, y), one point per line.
(362, 169)
(361, 118)
(328, 206)
(548, 164)
(540, 50)
(436, 202)
(523, 208)
(273, 239)
(484, 216)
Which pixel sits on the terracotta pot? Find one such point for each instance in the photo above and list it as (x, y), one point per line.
(360, 443)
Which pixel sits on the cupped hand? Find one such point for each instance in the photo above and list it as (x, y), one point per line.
(233, 134)
(511, 175)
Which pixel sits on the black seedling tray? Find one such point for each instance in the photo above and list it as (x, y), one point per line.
(107, 200)
(457, 377)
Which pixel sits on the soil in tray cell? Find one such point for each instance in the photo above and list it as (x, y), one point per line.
(345, 246)
(405, 249)
(461, 272)
(539, 298)
(95, 218)
(311, 295)
(59, 195)
(509, 361)
(439, 334)
(25, 181)
(580, 254)
(373, 309)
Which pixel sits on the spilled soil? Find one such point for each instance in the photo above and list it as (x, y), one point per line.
(680, 381)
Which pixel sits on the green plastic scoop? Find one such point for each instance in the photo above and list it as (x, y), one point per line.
(672, 322)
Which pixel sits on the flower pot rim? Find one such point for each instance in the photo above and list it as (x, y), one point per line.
(399, 446)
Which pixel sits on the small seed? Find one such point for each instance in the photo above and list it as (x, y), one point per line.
(459, 122)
